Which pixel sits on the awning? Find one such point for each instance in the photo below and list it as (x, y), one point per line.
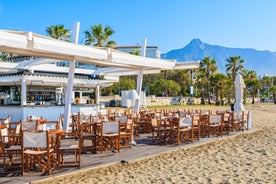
(31, 44)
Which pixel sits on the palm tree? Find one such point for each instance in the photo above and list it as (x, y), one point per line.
(200, 82)
(4, 56)
(135, 52)
(218, 80)
(273, 90)
(267, 83)
(208, 67)
(182, 77)
(256, 84)
(251, 81)
(234, 65)
(228, 89)
(58, 32)
(99, 35)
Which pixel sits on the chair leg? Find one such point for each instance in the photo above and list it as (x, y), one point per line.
(4, 161)
(22, 165)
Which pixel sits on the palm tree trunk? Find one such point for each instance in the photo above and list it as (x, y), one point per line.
(253, 98)
(208, 86)
(217, 97)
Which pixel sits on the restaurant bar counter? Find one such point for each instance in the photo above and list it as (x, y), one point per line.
(49, 112)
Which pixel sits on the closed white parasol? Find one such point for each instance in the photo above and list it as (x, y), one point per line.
(239, 87)
(133, 95)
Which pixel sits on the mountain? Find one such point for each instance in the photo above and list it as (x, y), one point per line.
(263, 62)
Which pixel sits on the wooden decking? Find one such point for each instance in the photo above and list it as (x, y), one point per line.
(144, 148)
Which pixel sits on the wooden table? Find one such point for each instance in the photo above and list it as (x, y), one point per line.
(3, 126)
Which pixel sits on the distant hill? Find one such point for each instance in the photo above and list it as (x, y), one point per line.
(263, 62)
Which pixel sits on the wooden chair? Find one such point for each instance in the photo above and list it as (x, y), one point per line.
(41, 125)
(111, 114)
(89, 133)
(7, 122)
(73, 124)
(221, 111)
(109, 136)
(15, 134)
(162, 129)
(82, 121)
(192, 111)
(203, 121)
(69, 148)
(28, 125)
(206, 112)
(36, 150)
(196, 129)
(185, 129)
(237, 121)
(183, 114)
(126, 134)
(9, 148)
(215, 124)
(144, 123)
(155, 128)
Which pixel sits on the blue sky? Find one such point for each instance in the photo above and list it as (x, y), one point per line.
(168, 24)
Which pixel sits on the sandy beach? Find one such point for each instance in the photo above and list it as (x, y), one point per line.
(244, 158)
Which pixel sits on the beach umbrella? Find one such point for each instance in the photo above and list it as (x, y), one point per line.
(239, 87)
(132, 95)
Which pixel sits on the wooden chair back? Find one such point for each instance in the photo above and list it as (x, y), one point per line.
(110, 127)
(110, 135)
(6, 121)
(35, 145)
(35, 139)
(215, 119)
(186, 121)
(4, 134)
(122, 119)
(215, 123)
(28, 125)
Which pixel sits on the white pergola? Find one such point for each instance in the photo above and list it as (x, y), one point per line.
(119, 63)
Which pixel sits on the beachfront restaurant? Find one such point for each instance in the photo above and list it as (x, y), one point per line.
(34, 88)
(120, 63)
(42, 88)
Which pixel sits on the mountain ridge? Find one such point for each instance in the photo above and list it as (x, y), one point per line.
(263, 62)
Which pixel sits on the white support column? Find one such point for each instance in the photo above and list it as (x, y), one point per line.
(97, 94)
(64, 93)
(139, 83)
(70, 84)
(80, 97)
(23, 91)
(140, 76)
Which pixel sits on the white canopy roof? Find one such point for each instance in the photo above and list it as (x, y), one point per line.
(31, 44)
(37, 75)
(114, 71)
(120, 63)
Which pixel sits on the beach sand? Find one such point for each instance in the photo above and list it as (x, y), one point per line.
(244, 158)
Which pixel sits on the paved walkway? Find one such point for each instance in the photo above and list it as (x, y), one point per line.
(144, 148)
